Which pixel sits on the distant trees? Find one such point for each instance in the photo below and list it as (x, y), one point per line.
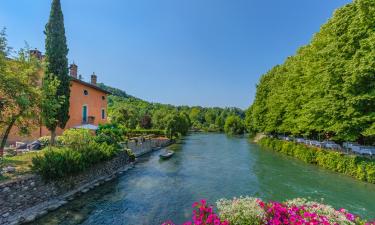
(328, 87)
(234, 125)
(134, 113)
(56, 76)
(19, 93)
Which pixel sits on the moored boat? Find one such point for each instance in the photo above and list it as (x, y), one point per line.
(166, 155)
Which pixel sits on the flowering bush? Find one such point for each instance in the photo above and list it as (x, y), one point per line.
(253, 211)
(202, 215)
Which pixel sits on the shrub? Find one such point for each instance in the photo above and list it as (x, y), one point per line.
(77, 138)
(234, 125)
(45, 140)
(252, 211)
(131, 154)
(241, 211)
(60, 162)
(357, 167)
(203, 215)
(111, 134)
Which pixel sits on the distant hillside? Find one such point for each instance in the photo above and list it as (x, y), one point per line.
(117, 92)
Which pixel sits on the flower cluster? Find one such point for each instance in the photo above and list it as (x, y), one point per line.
(279, 213)
(253, 211)
(202, 215)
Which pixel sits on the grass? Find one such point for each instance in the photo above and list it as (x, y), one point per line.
(22, 163)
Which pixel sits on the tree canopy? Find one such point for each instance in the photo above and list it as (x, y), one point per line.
(328, 87)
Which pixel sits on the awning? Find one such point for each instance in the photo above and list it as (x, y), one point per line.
(87, 126)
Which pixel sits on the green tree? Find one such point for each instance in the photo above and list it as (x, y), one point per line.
(19, 92)
(56, 68)
(234, 125)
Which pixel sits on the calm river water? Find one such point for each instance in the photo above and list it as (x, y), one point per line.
(210, 166)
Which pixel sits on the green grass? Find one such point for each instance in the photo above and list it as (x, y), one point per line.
(22, 163)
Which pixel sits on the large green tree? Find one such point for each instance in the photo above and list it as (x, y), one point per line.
(327, 89)
(56, 72)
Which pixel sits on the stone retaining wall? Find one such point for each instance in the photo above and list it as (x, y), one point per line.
(26, 198)
(143, 146)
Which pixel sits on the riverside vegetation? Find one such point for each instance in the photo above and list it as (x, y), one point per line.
(327, 89)
(355, 166)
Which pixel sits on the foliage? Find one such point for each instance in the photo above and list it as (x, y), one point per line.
(56, 73)
(76, 138)
(138, 132)
(19, 93)
(241, 211)
(328, 87)
(203, 215)
(357, 167)
(134, 113)
(45, 141)
(249, 211)
(253, 211)
(234, 125)
(80, 151)
(111, 134)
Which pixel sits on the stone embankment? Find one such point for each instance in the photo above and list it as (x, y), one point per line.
(29, 197)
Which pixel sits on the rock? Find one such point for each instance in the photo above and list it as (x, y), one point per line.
(9, 169)
(6, 189)
(30, 218)
(5, 215)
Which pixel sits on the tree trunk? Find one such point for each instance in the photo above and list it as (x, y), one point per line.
(53, 137)
(5, 135)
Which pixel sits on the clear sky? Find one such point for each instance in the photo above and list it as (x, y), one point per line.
(182, 52)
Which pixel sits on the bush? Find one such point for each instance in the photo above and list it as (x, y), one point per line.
(241, 211)
(45, 140)
(252, 211)
(111, 134)
(234, 125)
(77, 138)
(357, 167)
(145, 132)
(80, 151)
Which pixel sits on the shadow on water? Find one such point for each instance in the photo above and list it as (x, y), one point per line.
(210, 166)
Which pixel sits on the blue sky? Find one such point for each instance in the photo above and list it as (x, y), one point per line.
(182, 52)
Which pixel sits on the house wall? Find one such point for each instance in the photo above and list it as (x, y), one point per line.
(93, 101)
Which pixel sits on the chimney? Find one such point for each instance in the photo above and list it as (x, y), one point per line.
(93, 78)
(73, 70)
(36, 53)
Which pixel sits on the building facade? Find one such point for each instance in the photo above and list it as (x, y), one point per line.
(88, 107)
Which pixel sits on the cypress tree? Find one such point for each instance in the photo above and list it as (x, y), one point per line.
(57, 68)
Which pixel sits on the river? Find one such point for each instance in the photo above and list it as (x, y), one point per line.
(209, 166)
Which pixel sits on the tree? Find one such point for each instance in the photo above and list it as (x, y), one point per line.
(56, 69)
(20, 95)
(327, 87)
(234, 125)
(145, 122)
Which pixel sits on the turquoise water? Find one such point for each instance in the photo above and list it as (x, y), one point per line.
(210, 166)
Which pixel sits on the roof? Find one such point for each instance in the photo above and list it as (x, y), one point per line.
(90, 85)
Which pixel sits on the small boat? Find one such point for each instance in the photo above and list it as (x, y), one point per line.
(166, 155)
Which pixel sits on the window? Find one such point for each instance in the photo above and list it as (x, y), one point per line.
(103, 97)
(85, 92)
(103, 114)
(84, 114)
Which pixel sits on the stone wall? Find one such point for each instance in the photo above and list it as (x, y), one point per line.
(142, 146)
(26, 198)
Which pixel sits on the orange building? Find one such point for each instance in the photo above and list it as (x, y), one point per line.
(88, 107)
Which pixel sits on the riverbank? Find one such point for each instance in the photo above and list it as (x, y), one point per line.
(29, 197)
(357, 167)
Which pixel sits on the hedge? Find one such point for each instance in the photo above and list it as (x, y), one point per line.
(358, 167)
